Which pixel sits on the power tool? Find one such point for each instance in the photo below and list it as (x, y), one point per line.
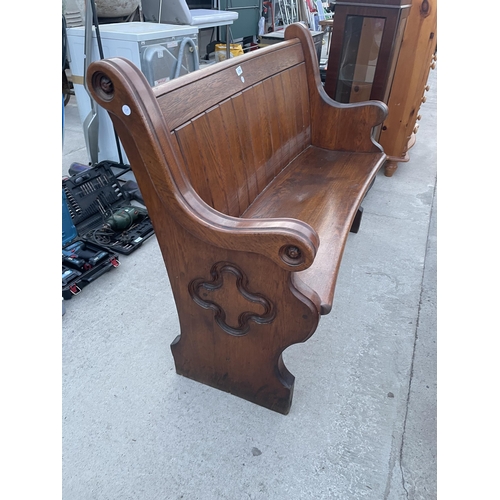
(123, 218)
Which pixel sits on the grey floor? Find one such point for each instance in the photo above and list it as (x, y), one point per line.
(363, 419)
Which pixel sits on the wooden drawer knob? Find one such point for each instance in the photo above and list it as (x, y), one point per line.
(424, 99)
(427, 88)
(419, 117)
(433, 65)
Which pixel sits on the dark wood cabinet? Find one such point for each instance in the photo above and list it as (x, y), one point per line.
(384, 50)
(364, 49)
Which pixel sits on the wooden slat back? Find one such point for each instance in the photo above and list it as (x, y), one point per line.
(235, 136)
(190, 95)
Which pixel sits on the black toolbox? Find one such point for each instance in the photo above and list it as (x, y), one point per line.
(102, 211)
(82, 262)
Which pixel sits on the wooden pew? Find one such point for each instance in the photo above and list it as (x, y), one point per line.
(253, 178)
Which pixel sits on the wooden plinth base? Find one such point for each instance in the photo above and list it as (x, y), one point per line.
(391, 165)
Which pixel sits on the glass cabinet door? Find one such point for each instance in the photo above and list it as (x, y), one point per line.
(364, 48)
(362, 38)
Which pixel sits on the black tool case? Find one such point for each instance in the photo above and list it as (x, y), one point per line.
(82, 262)
(93, 196)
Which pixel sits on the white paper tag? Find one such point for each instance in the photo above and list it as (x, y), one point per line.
(161, 80)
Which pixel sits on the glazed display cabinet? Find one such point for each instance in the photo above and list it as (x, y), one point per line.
(384, 50)
(364, 49)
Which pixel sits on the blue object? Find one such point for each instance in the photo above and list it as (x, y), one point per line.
(69, 232)
(77, 168)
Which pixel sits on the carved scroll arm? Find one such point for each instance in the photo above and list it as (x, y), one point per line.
(337, 126)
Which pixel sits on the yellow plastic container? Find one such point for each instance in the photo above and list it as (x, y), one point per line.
(235, 50)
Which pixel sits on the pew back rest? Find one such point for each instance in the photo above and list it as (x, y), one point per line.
(237, 128)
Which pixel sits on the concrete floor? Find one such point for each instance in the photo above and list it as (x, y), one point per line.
(363, 419)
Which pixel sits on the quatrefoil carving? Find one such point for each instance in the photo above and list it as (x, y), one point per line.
(210, 295)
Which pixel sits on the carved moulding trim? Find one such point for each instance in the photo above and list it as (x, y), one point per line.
(217, 274)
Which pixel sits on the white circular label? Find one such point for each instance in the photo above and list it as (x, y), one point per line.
(126, 110)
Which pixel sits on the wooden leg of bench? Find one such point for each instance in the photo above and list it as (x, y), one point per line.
(359, 214)
(235, 324)
(357, 220)
(265, 385)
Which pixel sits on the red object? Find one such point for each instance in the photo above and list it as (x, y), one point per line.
(310, 6)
